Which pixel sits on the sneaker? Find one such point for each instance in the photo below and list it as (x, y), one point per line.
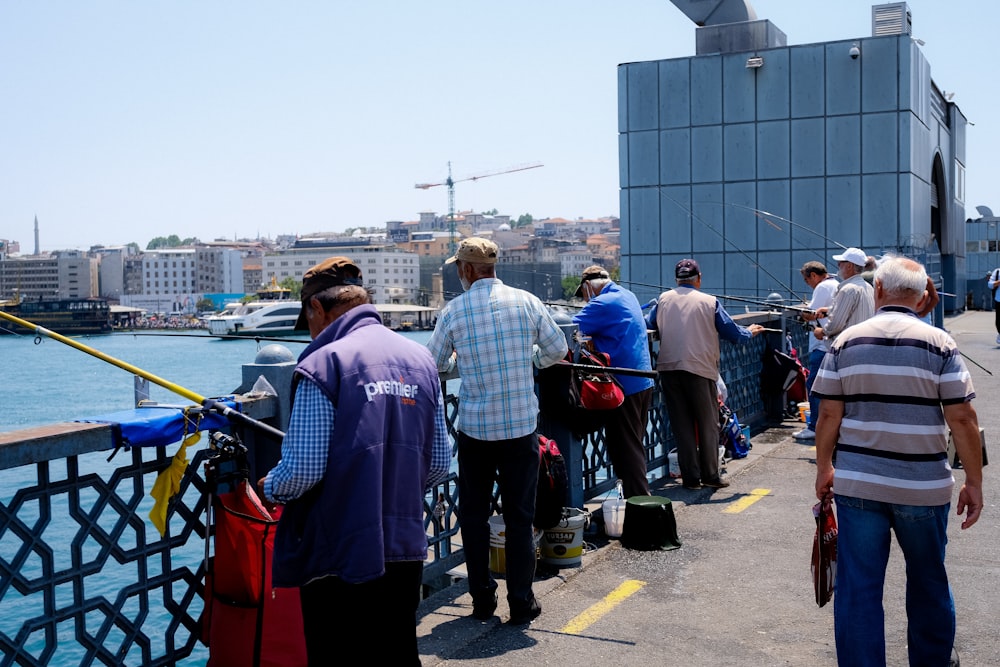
(805, 434)
(525, 615)
(715, 483)
(483, 611)
(998, 339)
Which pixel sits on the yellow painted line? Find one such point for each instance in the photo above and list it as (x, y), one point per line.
(746, 501)
(596, 611)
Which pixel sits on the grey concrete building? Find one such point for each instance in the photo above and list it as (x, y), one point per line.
(754, 156)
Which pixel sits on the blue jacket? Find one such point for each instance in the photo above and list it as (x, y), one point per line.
(369, 508)
(613, 320)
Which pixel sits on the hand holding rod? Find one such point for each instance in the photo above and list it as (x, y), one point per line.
(209, 403)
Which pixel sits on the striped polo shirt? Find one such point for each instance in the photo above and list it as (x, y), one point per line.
(894, 373)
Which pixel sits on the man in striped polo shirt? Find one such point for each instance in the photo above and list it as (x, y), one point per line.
(890, 388)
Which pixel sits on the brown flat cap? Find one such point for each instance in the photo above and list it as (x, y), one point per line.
(476, 250)
(590, 274)
(328, 273)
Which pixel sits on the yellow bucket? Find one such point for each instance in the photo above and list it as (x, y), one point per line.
(498, 557)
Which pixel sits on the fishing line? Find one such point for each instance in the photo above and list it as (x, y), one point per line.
(761, 213)
(754, 263)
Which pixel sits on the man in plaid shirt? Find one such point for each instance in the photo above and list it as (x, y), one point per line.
(495, 335)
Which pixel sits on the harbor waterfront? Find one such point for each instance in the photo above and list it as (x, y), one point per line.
(739, 583)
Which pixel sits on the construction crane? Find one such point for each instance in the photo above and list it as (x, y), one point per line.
(450, 182)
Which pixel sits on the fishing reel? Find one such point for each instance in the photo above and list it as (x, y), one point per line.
(226, 465)
(226, 444)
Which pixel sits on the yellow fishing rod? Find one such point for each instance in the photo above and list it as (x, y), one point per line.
(204, 401)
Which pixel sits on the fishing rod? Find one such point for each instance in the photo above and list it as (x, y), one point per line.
(761, 214)
(275, 339)
(759, 302)
(753, 262)
(637, 372)
(208, 403)
(974, 362)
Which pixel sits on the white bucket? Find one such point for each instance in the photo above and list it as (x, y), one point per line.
(498, 557)
(675, 468)
(614, 516)
(563, 545)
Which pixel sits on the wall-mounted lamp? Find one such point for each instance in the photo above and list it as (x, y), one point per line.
(753, 62)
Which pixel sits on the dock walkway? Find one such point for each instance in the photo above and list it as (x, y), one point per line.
(739, 590)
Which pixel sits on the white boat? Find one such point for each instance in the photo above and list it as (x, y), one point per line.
(272, 313)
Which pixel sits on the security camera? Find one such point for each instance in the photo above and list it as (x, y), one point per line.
(855, 52)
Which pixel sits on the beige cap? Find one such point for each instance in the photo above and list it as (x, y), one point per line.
(476, 250)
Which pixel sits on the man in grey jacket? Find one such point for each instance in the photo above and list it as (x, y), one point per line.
(854, 301)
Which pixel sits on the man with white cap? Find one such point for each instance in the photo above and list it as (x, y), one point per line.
(854, 301)
(495, 335)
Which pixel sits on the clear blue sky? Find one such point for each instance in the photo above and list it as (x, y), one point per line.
(125, 120)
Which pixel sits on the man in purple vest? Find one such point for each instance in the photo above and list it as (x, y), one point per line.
(366, 439)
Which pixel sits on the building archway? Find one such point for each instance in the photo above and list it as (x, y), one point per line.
(939, 199)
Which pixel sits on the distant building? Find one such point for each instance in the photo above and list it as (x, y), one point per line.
(167, 272)
(754, 156)
(982, 255)
(218, 269)
(392, 274)
(67, 274)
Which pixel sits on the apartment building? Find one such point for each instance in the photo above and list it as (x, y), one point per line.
(391, 273)
(69, 274)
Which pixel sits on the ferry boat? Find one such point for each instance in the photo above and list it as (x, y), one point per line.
(64, 316)
(272, 313)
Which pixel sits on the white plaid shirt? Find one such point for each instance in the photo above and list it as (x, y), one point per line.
(497, 332)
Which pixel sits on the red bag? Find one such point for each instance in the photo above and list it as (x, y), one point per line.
(598, 390)
(824, 551)
(246, 622)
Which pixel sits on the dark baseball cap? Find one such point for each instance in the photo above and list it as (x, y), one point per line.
(328, 273)
(686, 268)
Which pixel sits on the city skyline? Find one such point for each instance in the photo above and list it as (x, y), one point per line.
(129, 122)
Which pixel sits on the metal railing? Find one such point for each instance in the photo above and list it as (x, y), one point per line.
(85, 578)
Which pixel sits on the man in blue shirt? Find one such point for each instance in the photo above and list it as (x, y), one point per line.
(495, 335)
(613, 320)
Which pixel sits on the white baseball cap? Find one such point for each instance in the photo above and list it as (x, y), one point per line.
(852, 255)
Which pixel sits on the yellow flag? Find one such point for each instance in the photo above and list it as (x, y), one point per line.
(168, 483)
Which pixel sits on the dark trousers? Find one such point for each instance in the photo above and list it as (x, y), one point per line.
(514, 464)
(378, 617)
(693, 407)
(625, 435)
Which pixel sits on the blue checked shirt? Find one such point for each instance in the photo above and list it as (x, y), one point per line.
(307, 443)
(497, 332)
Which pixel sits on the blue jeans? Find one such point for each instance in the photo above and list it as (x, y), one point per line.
(862, 555)
(815, 361)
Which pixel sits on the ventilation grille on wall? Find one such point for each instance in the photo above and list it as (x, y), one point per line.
(891, 19)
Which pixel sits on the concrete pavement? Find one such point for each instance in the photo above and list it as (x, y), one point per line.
(739, 590)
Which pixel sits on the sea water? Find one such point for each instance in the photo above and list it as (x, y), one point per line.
(46, 381)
